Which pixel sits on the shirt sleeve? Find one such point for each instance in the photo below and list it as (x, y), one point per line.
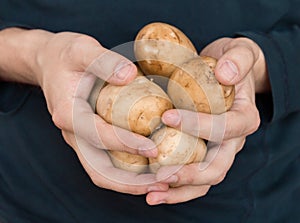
(281, 47)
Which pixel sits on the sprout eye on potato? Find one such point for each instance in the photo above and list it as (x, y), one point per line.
(163, 50)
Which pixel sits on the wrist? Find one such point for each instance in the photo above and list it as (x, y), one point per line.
(21, 46)
(36, 41)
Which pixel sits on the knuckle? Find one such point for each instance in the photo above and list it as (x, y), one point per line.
(58, 119)
(78, 45)
(204, 192)
(219, 178)
(188, 175)
(80, 41)
(95, 179)
(243, 45)
(190, 180)
(61, 117)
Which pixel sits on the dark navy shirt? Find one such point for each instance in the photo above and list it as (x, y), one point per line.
(42, 180)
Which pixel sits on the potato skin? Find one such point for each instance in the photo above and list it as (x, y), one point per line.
(136, 107)
(176, 148)
(129, 162)
(159, 48)
(194, 87)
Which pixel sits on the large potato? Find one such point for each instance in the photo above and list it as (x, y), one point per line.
(176, 148)
(193, 86)
(159, 48)
(137, 106)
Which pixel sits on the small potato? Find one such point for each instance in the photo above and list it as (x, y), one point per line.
(137, 106)
(159, 48)
(129, 162)
(194, 87)
(176, 148)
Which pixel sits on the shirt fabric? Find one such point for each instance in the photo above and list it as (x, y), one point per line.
(42, 180)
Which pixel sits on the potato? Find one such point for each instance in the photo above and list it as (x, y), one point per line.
(137, 106)
(139, 71)
(159, 48)
(176, 148)
(193, 86)
(129, 162)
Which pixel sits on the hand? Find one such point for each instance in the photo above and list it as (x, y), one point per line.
(240, 62)
(66, 68)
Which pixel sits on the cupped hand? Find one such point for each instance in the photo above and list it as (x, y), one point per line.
(241, 63)
(67, 66)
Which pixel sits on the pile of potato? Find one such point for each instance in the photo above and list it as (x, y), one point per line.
(163, 50)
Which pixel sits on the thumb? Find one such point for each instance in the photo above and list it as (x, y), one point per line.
(237, 61)
(112, 67)
(106, 64)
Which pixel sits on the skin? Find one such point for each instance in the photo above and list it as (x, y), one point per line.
(240, 62)
(58, 63)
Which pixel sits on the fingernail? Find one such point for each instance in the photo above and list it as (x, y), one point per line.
(171, 119)
(123, 69)
(229, 70)
(147, 152)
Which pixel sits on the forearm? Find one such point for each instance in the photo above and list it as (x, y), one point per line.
(18, 58)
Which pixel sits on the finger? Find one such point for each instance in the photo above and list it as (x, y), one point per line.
(177, 195)
(113, 68)
(242, 119)
(100, 134)
(115, 138)
(212, 170)
(87, 53)
(77, 116)
(99, 167)
(236, 57)
(89, 126)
